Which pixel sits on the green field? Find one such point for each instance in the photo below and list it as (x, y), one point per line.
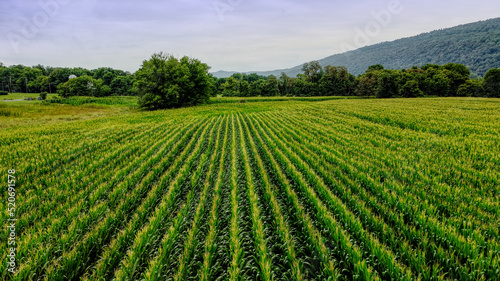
(23, 96)
(342, 189)
(56, 110)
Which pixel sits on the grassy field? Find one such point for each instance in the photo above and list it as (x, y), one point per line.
(396, 189)
(55, 110)
(24, 96)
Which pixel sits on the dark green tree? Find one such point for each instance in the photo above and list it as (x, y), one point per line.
(100, 89)
(375, 67)
(411, 90)
(218, 86)
(472, 88)
(43, 69)
(163, 81)
(81, 86)
(40, 84)
(312, 71)
(121, 85)
(492, 82)
(286, 84)
(61, 75)
(303, 88)
(387, 84)
(254, 77)
(336, 81)
(458, 75)
(439, 84)
(366, 84)
(270, 88)
(108, 74)
(231, 87)
(255, 89)
(244, 89)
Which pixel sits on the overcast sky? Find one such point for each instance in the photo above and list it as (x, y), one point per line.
(233, 35)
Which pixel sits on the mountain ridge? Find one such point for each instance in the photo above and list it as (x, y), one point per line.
(476, 45)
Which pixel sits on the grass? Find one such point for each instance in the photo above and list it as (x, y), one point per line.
(56, 110)
(97, 101)
(24, 96)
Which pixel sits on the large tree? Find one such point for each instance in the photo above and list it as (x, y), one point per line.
(366, 84)
(121, 85)
(410, 90)
(231, 87)
(270, 88)
(336, 81)
(492, 82)
(472, 88)
(286, 85)
(163, 81)
(312, 71)
(387, 84)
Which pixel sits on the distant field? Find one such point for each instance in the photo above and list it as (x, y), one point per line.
(264, 99)
(343, 189)
(54, 111)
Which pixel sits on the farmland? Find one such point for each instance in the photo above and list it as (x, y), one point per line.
(400, 189)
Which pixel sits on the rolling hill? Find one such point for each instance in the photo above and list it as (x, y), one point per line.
(476, 45)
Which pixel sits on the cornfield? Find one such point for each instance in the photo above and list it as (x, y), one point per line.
(329, 190)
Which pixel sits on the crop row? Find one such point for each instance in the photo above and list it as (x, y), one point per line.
(317, 191)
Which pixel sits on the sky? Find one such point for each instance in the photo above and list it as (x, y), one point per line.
(231, 35)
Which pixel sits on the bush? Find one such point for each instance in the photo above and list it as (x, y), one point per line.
(3, 93)
(43, 95)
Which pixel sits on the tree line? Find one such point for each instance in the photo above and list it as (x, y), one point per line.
(104, 81)
(429, 80)
(164, 81)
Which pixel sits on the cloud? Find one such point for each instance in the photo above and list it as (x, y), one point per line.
(236, 35)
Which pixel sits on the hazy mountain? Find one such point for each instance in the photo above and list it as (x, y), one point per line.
(476, 45)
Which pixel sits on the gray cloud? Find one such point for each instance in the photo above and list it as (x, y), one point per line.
(236, 35)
